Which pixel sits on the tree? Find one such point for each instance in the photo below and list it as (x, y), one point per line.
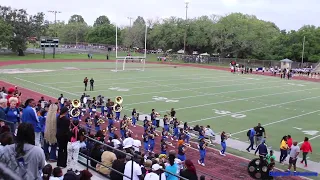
(103, 34)
(76, 19)
(5, 33)
(101, 20)
(135, 36)
(73, 32)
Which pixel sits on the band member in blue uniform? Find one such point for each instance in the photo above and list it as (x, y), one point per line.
(88, 124)
(109, 106)
(201, 132)
(151, 139)
(163, 147)
(186, 129)
(122, 129)
(202, 149)
(96, 123)
(181, 151)
(172, 113)
(146, 141)
(110, 120)
(111, 130)
(102, 107)
(117, 113)
(224, 137)
(164, 134)
(166, 123)
(145, 123)
(134, 117)
(153, 117)
(175, 129)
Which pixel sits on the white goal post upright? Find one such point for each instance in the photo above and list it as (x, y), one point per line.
(140, 60)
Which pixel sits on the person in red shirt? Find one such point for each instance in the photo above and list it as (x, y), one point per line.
(305, 148)
(289, 141)
(11, 92)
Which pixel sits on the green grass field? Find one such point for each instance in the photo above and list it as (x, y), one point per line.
(227, 102)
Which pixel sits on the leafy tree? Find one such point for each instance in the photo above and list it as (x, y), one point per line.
(73, 33)
(101, 20)
(76, 19)
(103, 34)
(5, 33)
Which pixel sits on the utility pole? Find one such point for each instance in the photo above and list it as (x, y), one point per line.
(130, 19)
(55, 29)
(304, 40)
(185, 32)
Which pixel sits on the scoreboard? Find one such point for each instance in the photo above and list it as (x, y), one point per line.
(49, 42)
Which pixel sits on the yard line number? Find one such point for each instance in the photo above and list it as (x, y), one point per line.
(234, 115)
(164, 99)
(118, 89)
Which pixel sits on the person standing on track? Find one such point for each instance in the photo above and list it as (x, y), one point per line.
(91, 84)
(305, 148)
(85, 81)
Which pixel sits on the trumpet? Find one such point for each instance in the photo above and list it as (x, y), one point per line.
(100, 121)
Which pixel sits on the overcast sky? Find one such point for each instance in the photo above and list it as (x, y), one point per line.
(287, 14)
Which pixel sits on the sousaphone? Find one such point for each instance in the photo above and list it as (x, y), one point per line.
(62, 100)
(118, 100)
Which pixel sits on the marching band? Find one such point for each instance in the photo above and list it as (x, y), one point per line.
(172, 128)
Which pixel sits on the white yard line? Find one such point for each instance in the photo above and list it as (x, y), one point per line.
(56, 89)
(282, 120)
(314, 137)
(150, 81)
(209, 94)
(246, 110)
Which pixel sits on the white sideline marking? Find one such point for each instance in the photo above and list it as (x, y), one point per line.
(207, 94)
(155, 84)
(314, 137)
(149, 77)
(56, 89)
(282, 120)
(189, 107)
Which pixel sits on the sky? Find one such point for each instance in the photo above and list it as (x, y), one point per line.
(286, 14)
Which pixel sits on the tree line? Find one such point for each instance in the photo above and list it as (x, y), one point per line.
(234, 35)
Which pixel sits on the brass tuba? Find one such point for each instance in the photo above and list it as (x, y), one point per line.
(75, 111)
(118, 100)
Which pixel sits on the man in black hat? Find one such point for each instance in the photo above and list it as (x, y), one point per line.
(91, 84)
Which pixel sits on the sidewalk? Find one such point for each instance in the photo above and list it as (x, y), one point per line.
(242, 146)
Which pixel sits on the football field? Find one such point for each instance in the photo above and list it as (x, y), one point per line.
(225, 101)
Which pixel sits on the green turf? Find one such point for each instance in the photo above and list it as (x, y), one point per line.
(271, 101)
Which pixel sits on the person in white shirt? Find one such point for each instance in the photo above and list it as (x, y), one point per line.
(128, 142)
(136, 145)
(154, 175)
(137, 173)
(116, 142)
(210, 134)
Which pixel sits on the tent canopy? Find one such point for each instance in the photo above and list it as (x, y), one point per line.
(286, 60)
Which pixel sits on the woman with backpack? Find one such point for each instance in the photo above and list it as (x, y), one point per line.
(13, 114)
(23, 157)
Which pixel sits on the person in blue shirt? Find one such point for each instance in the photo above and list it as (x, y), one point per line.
(134, 117)
(3, 105)
(88, 124)
(153, 117)
(202, 150)
(29, 115)
(163, 147)
(96, 123)
(166, 123)
(145, 137)
(151, 139)
(224, 137)
(251, 136)
(172, 168)
(110, 120)
(181, 151)
(13, 114)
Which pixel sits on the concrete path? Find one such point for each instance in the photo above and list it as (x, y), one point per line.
(242, 146)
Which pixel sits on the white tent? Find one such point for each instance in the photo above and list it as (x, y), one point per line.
(181, 51)
(204, 54)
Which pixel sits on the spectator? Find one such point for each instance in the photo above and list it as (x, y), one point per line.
(3, 127)
(62, 136)
(85, 175)
(263, 150)
(305, 148)
(202, 177)
(283, 149)
(136, 145)
(70, 175)
(190, 171)
(107, 159)
(25, 153)
(261, 134)
(96, 154)
(11, 93)
(50, 132)
(115, 142)
(13, 114)
(3, 105)
(137, 174)
(270, 156)
(29, 115)
(251, 134)
(6, 138)
(118, 165)
(289, 142)
(294, 153)
(147, 167)
(46, 172)
(154, 174)
(172, 168)
(57, 174)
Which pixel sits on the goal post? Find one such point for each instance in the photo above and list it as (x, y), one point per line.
(127, 63)
(131, 62)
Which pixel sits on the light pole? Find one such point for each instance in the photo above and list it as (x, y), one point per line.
(185, 32)
(130, 19)
(304, 40)
(55, 29)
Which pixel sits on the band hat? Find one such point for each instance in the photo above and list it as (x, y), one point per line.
(156, 167)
